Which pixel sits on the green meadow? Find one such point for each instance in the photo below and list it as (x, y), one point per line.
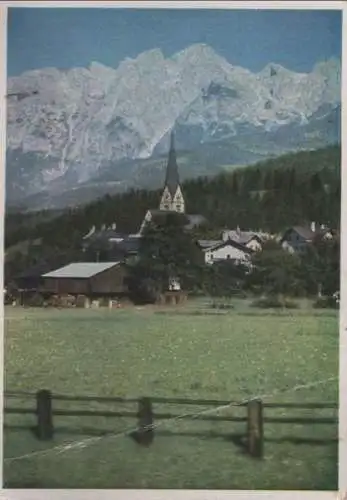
(192, 351)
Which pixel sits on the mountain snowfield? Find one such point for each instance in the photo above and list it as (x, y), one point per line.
(82, 122)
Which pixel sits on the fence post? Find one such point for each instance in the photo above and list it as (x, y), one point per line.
(145, 433)
(44, 415)
(255, 428)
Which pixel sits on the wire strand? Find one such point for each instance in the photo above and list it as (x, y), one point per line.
(90, 441)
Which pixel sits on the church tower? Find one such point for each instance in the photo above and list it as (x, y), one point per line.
(172, 197)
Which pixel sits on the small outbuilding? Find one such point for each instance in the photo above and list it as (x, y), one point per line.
(102, 279)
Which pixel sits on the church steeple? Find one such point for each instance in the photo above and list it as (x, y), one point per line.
(172, 198)
(172, 178)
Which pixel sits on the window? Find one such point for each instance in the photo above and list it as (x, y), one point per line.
(228, 256)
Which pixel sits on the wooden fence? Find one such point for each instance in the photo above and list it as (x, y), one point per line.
(147, 418)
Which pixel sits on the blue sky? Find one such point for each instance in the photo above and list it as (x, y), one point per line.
(66, 37)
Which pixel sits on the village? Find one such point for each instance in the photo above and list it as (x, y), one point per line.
(172, 229)
(105, 282)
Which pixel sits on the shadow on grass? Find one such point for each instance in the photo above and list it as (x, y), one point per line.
(239, 440)
(81, 431)
(237, 443)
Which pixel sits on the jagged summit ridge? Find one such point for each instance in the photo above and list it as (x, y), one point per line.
(82, 120)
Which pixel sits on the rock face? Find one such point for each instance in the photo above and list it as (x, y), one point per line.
(67, 128)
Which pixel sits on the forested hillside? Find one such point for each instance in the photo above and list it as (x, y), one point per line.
(271, 195)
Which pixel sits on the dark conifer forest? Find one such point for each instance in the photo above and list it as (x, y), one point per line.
(269, 196)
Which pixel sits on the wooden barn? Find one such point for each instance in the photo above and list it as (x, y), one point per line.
(93, 279)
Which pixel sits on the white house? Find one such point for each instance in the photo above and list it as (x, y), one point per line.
(226, 250)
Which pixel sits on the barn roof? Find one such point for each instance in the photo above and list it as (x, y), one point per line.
(80, 270)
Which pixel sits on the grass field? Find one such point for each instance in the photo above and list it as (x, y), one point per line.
(188, 353)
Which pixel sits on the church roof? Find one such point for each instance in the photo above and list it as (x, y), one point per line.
(172, 178)
(193, 220)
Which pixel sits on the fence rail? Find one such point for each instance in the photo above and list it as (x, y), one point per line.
(176, 401)
(254, 416)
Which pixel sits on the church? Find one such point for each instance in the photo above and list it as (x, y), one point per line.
(172, 199)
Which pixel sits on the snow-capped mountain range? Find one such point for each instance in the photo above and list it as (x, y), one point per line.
(69, 128)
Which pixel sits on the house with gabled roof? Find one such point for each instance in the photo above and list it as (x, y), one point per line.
(249, 239)
(296, 238)
(228, 250)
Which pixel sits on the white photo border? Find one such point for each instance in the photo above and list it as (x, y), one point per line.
(128, 494)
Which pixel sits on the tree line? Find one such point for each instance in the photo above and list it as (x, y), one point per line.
(271, 196)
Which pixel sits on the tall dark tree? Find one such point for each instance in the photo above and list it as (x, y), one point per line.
(320, 266)
(275, 271)
(223, 279)
(166, 251)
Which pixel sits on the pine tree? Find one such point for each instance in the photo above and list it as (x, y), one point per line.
(166, 251)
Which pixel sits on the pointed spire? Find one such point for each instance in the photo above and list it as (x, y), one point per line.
(172, 141)
(172, 177)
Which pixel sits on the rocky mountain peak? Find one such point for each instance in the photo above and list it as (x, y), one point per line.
(69, 126)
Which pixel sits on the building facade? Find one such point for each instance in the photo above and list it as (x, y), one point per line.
(227, 250)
